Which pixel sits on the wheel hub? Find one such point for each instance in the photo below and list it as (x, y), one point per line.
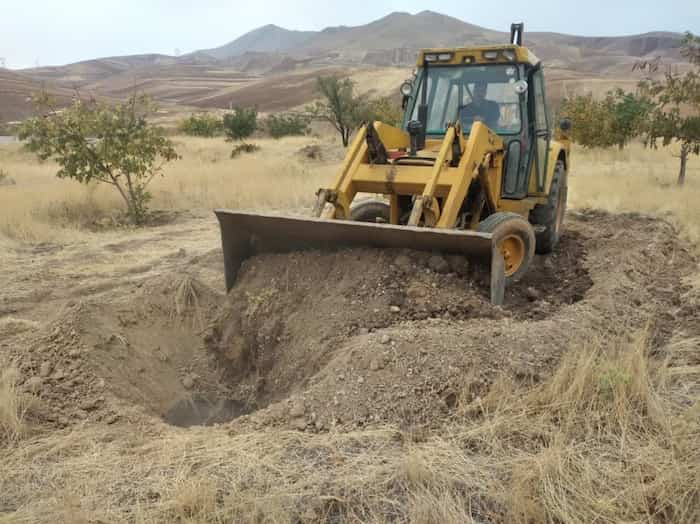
(513, 251)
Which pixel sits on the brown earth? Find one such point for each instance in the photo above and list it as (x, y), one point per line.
(135, 330)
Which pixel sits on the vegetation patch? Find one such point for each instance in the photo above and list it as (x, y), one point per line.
(204, 125)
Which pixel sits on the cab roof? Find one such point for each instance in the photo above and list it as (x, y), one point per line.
(491, 54)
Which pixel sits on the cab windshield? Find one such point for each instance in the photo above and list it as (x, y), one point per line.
(470, 93)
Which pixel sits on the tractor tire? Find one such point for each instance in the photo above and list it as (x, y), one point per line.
(515, 238)
(371, 211)
(551, 216)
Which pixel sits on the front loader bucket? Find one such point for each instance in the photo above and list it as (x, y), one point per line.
(247, 234)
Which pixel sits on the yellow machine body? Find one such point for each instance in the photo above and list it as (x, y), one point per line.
(438, 195)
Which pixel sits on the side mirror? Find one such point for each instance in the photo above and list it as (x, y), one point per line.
(565, 124)
(415, 130)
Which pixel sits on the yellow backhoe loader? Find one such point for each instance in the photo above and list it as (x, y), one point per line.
(474, 169)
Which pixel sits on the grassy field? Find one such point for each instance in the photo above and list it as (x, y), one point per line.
(40, 207)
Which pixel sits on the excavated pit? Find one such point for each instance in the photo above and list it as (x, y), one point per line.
(200, 410)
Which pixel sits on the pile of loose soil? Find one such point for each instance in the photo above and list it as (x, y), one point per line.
(361, 337)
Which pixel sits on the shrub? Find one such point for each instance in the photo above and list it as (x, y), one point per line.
(241, 123)
(244, 148)
(287, 125)
(383, 109)
(6, 179)
(204, 125)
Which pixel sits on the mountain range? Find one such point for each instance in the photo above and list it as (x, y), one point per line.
(272, 59)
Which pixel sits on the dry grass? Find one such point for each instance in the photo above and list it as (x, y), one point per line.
(14, 406)
(600, 441)
(41, 207)
(637, 180)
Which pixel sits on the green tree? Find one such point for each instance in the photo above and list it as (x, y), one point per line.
(612, 121)
(346, 112)
(241, 123)
(109, 144)
(676, 113)
(339, 105)
(588, 119)
(628, 112)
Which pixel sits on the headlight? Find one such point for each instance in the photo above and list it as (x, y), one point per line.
(520, 87)
(445, 57)
(490, 55)
(407, 88)
(432, 57)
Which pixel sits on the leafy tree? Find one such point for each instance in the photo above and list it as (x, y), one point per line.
(113, 145)
(611, 121)
(241, 123)
(628, 112)
(339, 106)
(286, 125)
(346, 112)
(676, 113)
(204, 125)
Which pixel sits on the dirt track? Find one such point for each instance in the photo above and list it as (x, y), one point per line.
(136, 327)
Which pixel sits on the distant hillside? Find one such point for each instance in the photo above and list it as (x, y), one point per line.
(396, 38)
(267, 39)
(16, 90)
(274, 68)
(83, 73)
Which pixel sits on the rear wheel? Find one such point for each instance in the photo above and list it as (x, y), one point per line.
(550, 217)
(515, 238)
(371, 211)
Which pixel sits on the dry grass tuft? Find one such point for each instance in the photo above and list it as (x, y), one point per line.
(186, 300)
(14, 406)
(611, 448)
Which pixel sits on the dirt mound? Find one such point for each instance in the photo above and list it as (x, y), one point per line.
(360, 337)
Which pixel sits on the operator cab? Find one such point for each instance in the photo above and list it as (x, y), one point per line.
(502, 86)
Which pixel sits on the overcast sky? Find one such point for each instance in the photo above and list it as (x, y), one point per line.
(52, 32)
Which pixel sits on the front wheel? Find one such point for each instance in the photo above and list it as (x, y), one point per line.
(550, 216)
(371, 211)
(515, 239)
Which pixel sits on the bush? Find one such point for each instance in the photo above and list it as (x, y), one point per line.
(244, 148)
(204, 125)
(241, 123)
(287, 125)
(384, 109)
